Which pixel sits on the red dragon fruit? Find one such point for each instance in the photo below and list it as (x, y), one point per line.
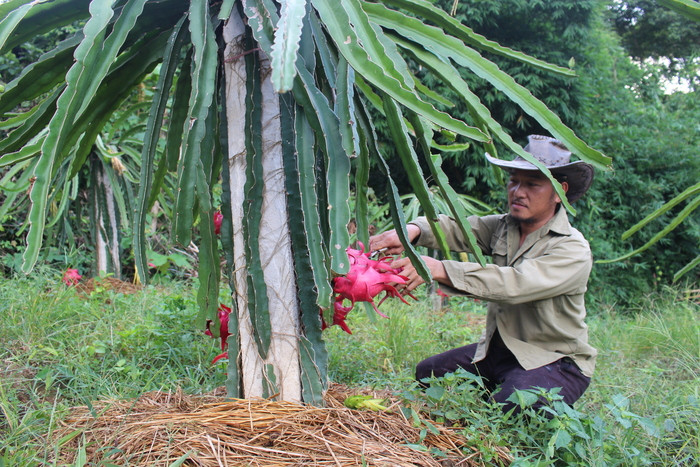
(218, 219)
(71, 277)
(366, 279)
(224, 311)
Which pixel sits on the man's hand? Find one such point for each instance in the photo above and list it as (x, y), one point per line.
(437, 269)
(389, 241)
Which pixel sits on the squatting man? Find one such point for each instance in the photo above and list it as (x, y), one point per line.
(535, 333)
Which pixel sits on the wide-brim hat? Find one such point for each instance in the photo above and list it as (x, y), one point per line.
(557, 158)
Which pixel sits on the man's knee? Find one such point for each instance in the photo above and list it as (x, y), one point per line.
(426, 369)
(446, 362)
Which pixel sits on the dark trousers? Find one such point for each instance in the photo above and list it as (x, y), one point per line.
(501, 369)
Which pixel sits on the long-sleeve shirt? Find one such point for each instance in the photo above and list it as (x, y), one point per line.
(535, 291)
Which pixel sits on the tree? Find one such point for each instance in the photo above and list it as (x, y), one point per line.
(253, 90)
(655, 155)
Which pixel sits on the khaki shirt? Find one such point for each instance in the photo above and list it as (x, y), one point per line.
(535, 292)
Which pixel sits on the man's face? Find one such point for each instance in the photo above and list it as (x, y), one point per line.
(531, 197)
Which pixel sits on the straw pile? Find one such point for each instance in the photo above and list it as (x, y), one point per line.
(107, 283)
(163, 428)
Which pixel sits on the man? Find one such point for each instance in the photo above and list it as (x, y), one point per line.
(535, 333)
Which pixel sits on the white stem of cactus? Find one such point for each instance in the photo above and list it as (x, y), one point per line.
(275, 245)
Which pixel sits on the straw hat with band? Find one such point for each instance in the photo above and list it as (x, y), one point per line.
(554, 155)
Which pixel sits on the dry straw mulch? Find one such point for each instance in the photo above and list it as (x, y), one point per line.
(161, 428)
(106, 283)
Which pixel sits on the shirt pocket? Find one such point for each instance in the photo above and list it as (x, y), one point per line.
(499, 251)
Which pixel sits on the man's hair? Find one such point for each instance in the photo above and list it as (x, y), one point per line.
(560, 177)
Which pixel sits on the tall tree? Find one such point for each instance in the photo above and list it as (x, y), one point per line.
(275, 96)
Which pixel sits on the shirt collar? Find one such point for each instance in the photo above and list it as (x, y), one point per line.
(559, 223)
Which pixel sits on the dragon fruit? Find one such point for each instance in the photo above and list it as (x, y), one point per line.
(71, 277)
(366, 279)
(224, 311)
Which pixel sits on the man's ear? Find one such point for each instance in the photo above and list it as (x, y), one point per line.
(565, 187)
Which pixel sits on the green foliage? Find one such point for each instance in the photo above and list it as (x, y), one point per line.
(558, 434)
(619, 420)
(648, 29)
(385, 351)
(552, 32)
(15, 60)
(655, 147)
(333, 57)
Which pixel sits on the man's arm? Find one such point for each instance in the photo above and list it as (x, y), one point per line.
(563, 270)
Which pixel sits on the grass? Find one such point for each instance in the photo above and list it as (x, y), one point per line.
(60, 349)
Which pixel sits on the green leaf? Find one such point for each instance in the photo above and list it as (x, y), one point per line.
(414, 172)
(152, 134)
(436, 41)
(382, 50)
(313, 357)
(42, 18)
(688, 8)
(10, 22)
(361, 191)
(258, 303)
(435, 392)
(523, 398)
(662, 233)
(27, 152)
(427, 11)
(134, 64)
(456, 208)
(6, 182)
(286, 44)
(181, 460)
(32, 126)
(451, 77)
(195, 130)
(395, 206)
(345, 108)
(178, 115)
(687, 193)
(226, 9)
(432, 94)
(208, 265)
(318, 255)
(352, 46)
(79, 78)
(41, 76)
(686, 268)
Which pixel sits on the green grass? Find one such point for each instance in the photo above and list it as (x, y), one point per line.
(643, 407)
(60, 349)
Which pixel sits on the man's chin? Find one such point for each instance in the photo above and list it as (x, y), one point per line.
(520, 218)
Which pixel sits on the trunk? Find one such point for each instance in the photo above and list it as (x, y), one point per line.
(107, 230)
(268, 347)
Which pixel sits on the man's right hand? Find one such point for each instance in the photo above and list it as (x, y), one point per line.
(389, 241)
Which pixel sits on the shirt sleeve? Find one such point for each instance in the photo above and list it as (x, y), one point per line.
(482, 227)
(564, 269)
